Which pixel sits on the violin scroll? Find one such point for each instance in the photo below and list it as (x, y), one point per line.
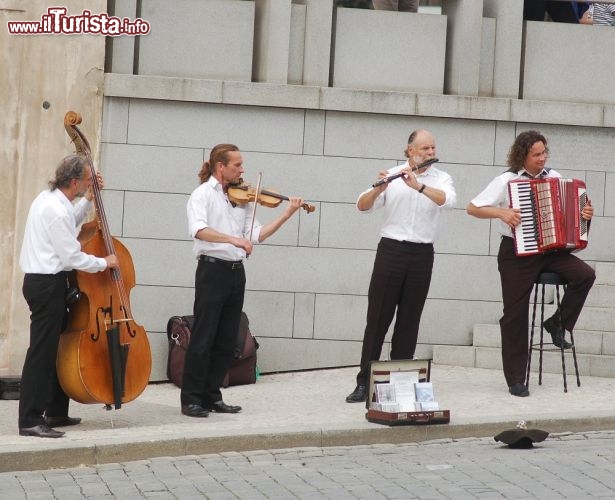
(308, 208)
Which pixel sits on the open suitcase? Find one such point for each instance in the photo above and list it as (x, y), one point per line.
(380, 372)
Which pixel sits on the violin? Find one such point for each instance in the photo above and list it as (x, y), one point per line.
(242, 193)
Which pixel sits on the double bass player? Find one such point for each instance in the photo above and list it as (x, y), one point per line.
(49, 251)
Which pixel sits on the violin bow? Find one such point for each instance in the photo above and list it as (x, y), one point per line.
(258, 188)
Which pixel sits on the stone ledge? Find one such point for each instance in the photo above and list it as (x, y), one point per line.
(360, 101)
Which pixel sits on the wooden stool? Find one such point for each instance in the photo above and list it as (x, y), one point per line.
(543, 280)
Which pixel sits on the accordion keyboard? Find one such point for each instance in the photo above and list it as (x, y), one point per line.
(526, 233)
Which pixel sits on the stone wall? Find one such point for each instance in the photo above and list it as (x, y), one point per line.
(307, 285)
(41, 78)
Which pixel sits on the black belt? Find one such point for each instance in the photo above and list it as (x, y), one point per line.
(406, 244)
(233, 264)
(61, 274)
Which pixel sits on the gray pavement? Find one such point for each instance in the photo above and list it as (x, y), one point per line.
(571, 466)
(303, 409)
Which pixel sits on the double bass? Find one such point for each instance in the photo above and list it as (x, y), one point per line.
(103, 355)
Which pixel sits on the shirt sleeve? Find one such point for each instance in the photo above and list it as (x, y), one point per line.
(449, 190)
(81, 208)
(197, 214)
(378, 202)
(69, 250)
(256, 230)
(494, 195)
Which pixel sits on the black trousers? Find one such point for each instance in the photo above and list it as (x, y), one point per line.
(218, 302)
(40, 392)
(518, 275)
(400, 281)
(561, 12)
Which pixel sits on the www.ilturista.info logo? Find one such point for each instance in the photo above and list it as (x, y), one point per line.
(56, 22)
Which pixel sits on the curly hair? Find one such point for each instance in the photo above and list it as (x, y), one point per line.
(71, 167)
(219, 153)
(521, 147)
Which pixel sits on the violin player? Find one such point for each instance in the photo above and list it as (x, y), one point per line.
(224, 233)
(50, 249)
(412, 204)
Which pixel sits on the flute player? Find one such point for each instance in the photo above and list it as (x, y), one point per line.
(404, 260)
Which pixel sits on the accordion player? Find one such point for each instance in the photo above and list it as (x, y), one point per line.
(550, 215)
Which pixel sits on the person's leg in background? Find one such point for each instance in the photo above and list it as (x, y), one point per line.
(400, 5)
(385, 4)
(408, 5)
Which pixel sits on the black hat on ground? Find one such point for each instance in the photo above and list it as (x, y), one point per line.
(521, 436)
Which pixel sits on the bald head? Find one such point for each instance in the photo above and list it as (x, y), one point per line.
(421, 147)
(419, 134)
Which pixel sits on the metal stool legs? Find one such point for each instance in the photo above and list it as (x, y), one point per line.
(543, 280)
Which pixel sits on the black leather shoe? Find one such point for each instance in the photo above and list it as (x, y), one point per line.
(194, 410)
(222, 407)
(519, 389)
(359, 395)
(41, 431)
(553, 326)
(61, 421)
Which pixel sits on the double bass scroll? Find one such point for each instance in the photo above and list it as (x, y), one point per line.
(104, 354)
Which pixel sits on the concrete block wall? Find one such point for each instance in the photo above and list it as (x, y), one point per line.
(565, 62)
(307, 286)
(185, 42)
(474, 47)
(389, 51)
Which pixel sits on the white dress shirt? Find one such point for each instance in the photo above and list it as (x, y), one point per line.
(50, 239)
(408, 214)
(496, 194)
(208, 206)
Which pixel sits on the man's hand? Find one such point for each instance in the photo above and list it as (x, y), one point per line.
(382, 175)
(410, 179)
(243, 243)
(294, 204)
(112, 262)
(89, 194)
(510, 216)
(588, 211)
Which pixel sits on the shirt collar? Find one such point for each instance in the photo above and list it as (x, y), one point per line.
(214, 183)
(543, 173)
(62, 197)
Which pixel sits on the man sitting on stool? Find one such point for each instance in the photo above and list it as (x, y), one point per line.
(527, 158)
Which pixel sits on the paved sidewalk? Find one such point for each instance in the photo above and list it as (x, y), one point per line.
(302, 409)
